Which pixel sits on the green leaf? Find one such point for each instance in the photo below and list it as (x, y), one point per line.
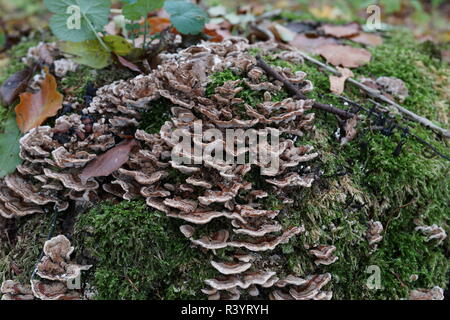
(2, 39)
(187, 17)
(9, 146)
(89, 53)
(78, 20)
(118, 44)
(140, 8)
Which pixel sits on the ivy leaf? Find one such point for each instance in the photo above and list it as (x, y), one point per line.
(140, 8)
(78, 20)
(187, 17)
(89, 53)
(9, 146)
(35, 108)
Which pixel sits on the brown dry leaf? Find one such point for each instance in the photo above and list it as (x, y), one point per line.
(343, 55)
(341, 31)
(368, 39)
(158, 24)
(282, 33)
(216, 32)
(310, 44)
(350, 130)
(35, 108)
(108, 162)
(337, 83)
(14, 85)
(128, 64)
(393, 86)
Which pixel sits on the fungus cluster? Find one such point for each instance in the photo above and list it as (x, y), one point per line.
(55, 270)
(373, 235)
(70, 161)
(433, 232)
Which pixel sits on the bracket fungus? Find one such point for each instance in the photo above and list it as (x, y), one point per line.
(55, 264)
(102, 151)
(324, 254)
(373, 235)
(433, 232)
(436, 293)
(56, 272)
(13, 290)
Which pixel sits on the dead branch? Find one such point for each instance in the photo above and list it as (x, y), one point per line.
(377, 95)
(298, 94)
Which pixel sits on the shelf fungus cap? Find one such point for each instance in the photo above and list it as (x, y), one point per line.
(217, 240)
(433, 232)
(374, 232)
(53, 290)
(324, 255)
(58, 248)
(187, 230)
(291, 280)
(435, 293)
(13, 290)
(231, 267)
(292, 180)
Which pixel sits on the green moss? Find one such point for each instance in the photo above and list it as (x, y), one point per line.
(19, 253)
(395, 190)
(139, 254)
(74, 83)
(156, 115)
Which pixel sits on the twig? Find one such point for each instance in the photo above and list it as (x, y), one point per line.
(297, 93)
(377, 95)
(419, 139)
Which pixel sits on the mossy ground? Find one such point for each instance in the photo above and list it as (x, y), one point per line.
(140, 254)
(395, 190)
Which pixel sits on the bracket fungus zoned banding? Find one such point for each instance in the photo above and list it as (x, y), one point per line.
(433, 232)
(55, 264)
(373, 235)
(103, 151)
(55, 270)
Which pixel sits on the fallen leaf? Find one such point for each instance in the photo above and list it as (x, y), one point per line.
(35, 108)
(310, 44)
(282, 33)
(9, 146)
(302, 27)
(393, 86)
(350, 130)
(119, 45)
(341, 31)
(337, 83)
(368, 39)
(89, 53)
(128, 64)
(158, 24)
(108, 162)
(216, 33)
(14, 85)
(343, 55)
